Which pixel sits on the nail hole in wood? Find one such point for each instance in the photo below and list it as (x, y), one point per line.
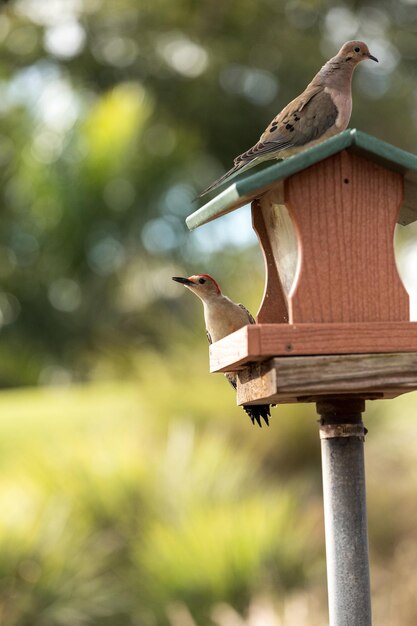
(346, 181)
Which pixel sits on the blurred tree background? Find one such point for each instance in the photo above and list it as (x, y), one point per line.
(113, 117)
(145, 497)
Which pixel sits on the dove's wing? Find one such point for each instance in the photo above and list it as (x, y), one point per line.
(305, 119)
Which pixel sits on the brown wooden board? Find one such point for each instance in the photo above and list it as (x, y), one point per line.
(258, 342)
(345, 209)
(309, 378)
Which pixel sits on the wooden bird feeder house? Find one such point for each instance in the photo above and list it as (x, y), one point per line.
(325, 221)
(334, 324)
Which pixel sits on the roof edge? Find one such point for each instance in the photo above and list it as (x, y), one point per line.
(245, 189)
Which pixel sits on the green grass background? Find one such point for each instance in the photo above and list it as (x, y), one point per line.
(146, 502)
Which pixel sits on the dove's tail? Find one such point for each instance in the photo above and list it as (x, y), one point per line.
(242, 163)
(230, 174)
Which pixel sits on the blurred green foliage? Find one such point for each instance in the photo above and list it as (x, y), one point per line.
(121, 508)
(113, 117)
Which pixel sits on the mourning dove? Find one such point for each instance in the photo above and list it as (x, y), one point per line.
(321, 111)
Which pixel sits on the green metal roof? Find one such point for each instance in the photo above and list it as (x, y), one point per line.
(251, 186)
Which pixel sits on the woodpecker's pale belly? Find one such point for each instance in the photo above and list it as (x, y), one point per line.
(223, 319)
(226, 328)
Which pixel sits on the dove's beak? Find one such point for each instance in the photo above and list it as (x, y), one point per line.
(371, 56)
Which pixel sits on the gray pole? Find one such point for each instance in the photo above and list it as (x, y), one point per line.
(342, 441)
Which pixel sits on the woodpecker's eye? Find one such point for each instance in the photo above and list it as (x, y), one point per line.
(201, 281)
(357, 49)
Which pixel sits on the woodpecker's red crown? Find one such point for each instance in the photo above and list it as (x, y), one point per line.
(199, 282)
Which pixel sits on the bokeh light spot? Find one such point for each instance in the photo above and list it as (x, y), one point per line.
(9, 308)
(159, 235)
(182, 54)
(258, 86)
(106, 255)
(65, 295)
(65, 39)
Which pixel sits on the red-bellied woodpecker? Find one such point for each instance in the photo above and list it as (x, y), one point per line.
(222, 317)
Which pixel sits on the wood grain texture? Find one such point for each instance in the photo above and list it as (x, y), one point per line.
(306, 379)
(235, 348)
(274, 303)
(259, 342)
(345, 209)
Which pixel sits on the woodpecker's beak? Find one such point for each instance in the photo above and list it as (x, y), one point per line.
(183, 281)
(371, 56)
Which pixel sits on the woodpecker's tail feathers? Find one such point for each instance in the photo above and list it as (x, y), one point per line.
(258, 411)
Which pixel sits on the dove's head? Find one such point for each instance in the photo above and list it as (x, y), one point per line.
(353, 52)
(203, 285)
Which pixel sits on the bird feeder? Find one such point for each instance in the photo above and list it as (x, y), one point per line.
(334, 324)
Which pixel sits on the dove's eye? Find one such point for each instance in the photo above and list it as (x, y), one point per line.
(357, 49)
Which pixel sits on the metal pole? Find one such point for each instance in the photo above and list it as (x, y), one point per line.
(342, 441)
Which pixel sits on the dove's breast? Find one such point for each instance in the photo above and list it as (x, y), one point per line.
(343, 103)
